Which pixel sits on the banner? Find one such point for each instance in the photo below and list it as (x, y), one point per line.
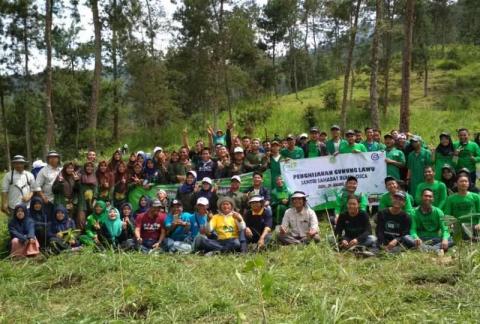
(323, 178)
(222, 184)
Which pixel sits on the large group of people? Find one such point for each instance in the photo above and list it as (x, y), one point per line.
(65, 207)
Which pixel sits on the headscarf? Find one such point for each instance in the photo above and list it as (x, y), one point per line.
(123, 206)
(445, 150)
(25, 210)
(102, 176)
(206, 193)
(41, 215)
(103, 214)
(450, 183)
(149, 172)
(114, 226)
(65, 212)
(187, 188)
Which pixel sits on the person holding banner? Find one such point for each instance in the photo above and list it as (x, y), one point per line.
(350, 189)
(300, 223)
(370, 144)
(353, 227)
(350, 146)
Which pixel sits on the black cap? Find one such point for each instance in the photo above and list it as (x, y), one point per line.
(314, 130)
(389, 178)
(350, 178)
(400, 194)
(387, 135)
(176, 202)
(463, 170)
(335, 127)
(447, 166)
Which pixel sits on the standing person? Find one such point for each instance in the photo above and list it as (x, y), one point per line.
(300, 223)
(41, 220)
(443, 154)
(254, 159)
(206, 190)
(206, 167)
(161, 165)
(258, 189)
(136, 178)
(91, 156)
(150, 232)
(350, 146)
(292, 151)
(61, 224)
(178, 227)
(350, 189)
(186, 192)
(236, 166)
(333, 144)
(106, 181)
(23, 242)
(394, 158)
(177, 171)
(353, 226)
(88, 192)
(66, 188)
(377, 137)
(386, 200)
(417, 160)
(464, 203)
(280, 200)
(314, 147)
(428, 230)
(274, 161)
(114, 161)
(370, 144)
(17, 186)
(45, 179)
(466, 154)
(239, 198)
(120, 187)
(259, 224)
(150, 174)
(358, 136)
(393, 224)
(227, 224)
(438, 188)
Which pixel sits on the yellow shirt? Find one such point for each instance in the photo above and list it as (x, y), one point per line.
(225, 226)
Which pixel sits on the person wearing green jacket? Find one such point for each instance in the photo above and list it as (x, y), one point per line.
(292, 151)
(351, 146)
(333, 144)
(442, 154)
(350, 189)
(370, 144)
(464, 203)
(466, 154)
(417, 160)
(439, 188)
(93, 225)
(280, 198)
(428, 230)
(386, 200)
(274, 161)
(314, 146)
(394, 157)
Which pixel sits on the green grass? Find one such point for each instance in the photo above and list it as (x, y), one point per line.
(289, 284)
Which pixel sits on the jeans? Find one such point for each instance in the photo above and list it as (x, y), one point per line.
(428, 244)
(147, 245)
(288, 239)
(369, 241)
(205, 244)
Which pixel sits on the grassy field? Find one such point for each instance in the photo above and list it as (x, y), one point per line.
(289, 284)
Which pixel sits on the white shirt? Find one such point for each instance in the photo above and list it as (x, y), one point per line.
(45, 179)
(20, 185)
(299, 223)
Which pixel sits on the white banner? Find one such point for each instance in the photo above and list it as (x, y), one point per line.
(323, 177)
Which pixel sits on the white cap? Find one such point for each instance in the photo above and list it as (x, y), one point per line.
(255, 199)
(156, 149)
(202, 201)
(238, 149)
(157, 203)
(192, 173)
(303, 135)
(299, 194)
(236, 177)
(207, 180)
(140, 153)
(38, 164)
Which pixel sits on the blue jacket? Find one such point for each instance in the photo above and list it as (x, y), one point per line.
(21, 229)
(59, 226)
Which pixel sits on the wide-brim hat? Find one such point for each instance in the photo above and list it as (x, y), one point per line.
(53, 154)
(19, 159)
(225, 199)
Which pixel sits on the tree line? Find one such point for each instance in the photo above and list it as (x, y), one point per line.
(223, 53)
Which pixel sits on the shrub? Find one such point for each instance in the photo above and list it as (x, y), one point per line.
(448, 65)
(252, 116)
(309, 116)
(330, 98)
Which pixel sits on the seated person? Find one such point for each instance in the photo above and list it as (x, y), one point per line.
(209, 191)
(199, 219)
(463, 204)
(59, 237)
(38, 213)
(22, 233)
(353, 226)
(186, 192)
(439, 189)
(93, 227)
(150, 232)
(280, 200)
(177, 225)
(300, 223)
(227, 224)
(258, 189)
(350, 188)
(386, 200)
(114, 231)
(428, 230)
(128, 223)
(259, 225)
(393, 223)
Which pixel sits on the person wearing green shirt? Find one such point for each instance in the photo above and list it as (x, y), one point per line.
(428, 230)
(464, 203)
(442, 154)
(351, 146)
(370, 144)
(274, 161)
(394, 158)
(93, 224)
(280, 200)
(466, 154)
(350, 189)
(439, 189)
(292, 151)
(314, 146)
(386, 200)
(417, 160)
(377, 137)
(333, 144)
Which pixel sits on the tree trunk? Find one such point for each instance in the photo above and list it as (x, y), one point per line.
(50, 124)
(151, 34)
(28, 140)
(353, 34)
(115, 72)
(274, 70)
(387, 58)
(96, 74)
(406, 66)
(4, 122)
(352, 86)
(425, 78)
(374, 66)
